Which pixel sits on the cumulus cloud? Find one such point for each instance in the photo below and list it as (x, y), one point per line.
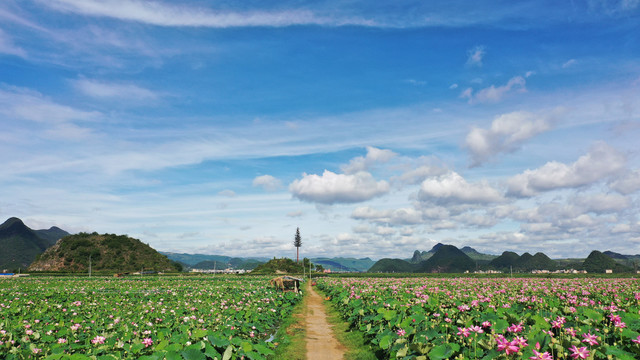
(601, 162)
(267, 182)
(454, 189)
(475, 56)
(506, 134)
(628, 183)
(104, 90)
(419, 174)
(403, 216)
(374, 156)
(332, 188)
(601, 203)
(227, 193)
(493, 94)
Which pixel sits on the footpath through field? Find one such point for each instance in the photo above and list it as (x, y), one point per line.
(321, 342)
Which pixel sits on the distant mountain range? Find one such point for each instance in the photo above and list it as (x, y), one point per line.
(449, 259)
(208, 262)
(19, 245)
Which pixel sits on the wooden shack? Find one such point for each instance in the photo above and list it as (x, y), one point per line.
(286, 283)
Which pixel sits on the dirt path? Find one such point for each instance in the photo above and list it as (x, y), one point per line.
(321, 343)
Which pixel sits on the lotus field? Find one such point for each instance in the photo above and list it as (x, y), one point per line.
(497, 318)
(148, 318)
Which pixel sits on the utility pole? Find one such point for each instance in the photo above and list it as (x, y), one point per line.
(89, 265)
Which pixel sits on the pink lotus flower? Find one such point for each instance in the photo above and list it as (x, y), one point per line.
(637, 341)
(476, 329)
(98, 340)
(463, 332)
(147, 342)
(62, 341)
(486, 324)
(590, 339)
(515, 328)
(579, 353)
(401, 332)
(509, 347)
(36, 350)
(541, 356)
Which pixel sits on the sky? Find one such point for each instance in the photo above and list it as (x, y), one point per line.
(377, 128)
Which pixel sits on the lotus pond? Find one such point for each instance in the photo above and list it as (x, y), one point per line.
(492, 318)
(140, 318)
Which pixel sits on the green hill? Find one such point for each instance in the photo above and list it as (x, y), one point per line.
(479, 257)
(344, 264)
(19, 245)
(598, 262)
(447, 259)
(107, 253)
(505, 261)
(392, 266)
(279, 266)
(539, 261)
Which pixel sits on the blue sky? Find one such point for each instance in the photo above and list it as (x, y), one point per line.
(378, 129)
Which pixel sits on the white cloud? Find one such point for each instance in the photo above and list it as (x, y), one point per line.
(332, 188)
(8, 47)
(475, 56)
(628, 183)
(99, 89)
(453, 86)
(403, 216)
(506, 134)
(419, 174)
(267, 182)
(374, 156)
(227, 193)
(162, 14)
(569, 63)
(602, 203)
(495, 94)
(25, 104)
(454, 189)
(295, 214)
(601, 162)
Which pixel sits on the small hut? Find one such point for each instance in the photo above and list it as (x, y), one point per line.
(286, 283)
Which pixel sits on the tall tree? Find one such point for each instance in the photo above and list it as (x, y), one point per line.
(297, 242)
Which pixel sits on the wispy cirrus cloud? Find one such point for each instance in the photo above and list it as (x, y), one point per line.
(7, 46)
(25, 104)
(163, 14)
(109, 90)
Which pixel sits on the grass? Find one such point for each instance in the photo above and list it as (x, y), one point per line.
(291, 336)
(353, 340)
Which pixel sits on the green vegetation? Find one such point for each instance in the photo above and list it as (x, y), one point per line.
(279, 266)
(290, 338)
(523, 318)
(447, 259)
(226, 317)
(392, 266)
(106, 253)
(350, 337)
(19, 245)
(598, 262)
